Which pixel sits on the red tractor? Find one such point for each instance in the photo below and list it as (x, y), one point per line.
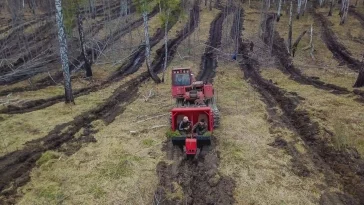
(196, 100)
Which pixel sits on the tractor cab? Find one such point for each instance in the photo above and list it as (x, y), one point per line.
(181, 78)
(185, 88)
(192, 142)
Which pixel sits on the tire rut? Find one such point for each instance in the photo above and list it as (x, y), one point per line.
(208, 60)
(344, 167)
(337, 49)
(286, 65)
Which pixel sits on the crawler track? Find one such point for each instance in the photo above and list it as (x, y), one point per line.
(343, 167)
(15, 167)
(337, 49)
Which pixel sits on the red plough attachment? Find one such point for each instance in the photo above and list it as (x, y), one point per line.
(191, 142)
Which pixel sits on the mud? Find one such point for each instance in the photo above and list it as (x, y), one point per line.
(344, 167)
(332, 43)
(208, 60)
(187, 181)
(15, 167)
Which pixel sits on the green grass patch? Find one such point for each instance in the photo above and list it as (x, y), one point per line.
(171, 133)
(46, 157)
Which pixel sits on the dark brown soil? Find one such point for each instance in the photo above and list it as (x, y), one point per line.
(337, 49)
(199, 179)
(15, 167)
(344, 167)
(208, 61)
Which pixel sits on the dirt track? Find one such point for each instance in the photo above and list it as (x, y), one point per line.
(337, 49)
(357, 15)
(287, 66)
(208, 61)
(200, 180)
(339, 167)
(15, 167)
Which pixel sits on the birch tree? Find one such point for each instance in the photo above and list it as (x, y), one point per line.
(344, 10)
(289, 43)
(166, 8)
(279, 10)
(63, 52)
(299, 4)
(144, 7)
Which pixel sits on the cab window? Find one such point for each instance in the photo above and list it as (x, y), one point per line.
(182, 79)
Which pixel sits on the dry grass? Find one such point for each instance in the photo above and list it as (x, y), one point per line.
(339, 114)
(21, 128)
(325, 66)
(120, 167)
(263, 174)
(347, 32)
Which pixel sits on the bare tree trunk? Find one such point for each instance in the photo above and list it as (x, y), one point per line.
(205, 2)
(210, 7)
(64, 52)
(87, 64)
(92, 8)
(304, 9)
(331, 6)
(360, 80)
(165, 45)
(290, 30)
(279, 10)
(153, 75)
(345, 10)
(295, 44)
(299, 4)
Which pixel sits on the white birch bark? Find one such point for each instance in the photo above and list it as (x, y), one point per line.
(63, 52)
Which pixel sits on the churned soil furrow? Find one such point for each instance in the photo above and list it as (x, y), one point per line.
(15, 167)
(338, 50)
(344, 167)
(357, 15)
(208, 60)
(187, 181)
(286, 65)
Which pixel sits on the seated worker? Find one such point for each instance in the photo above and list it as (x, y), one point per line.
(200, 128)
(184, 126)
